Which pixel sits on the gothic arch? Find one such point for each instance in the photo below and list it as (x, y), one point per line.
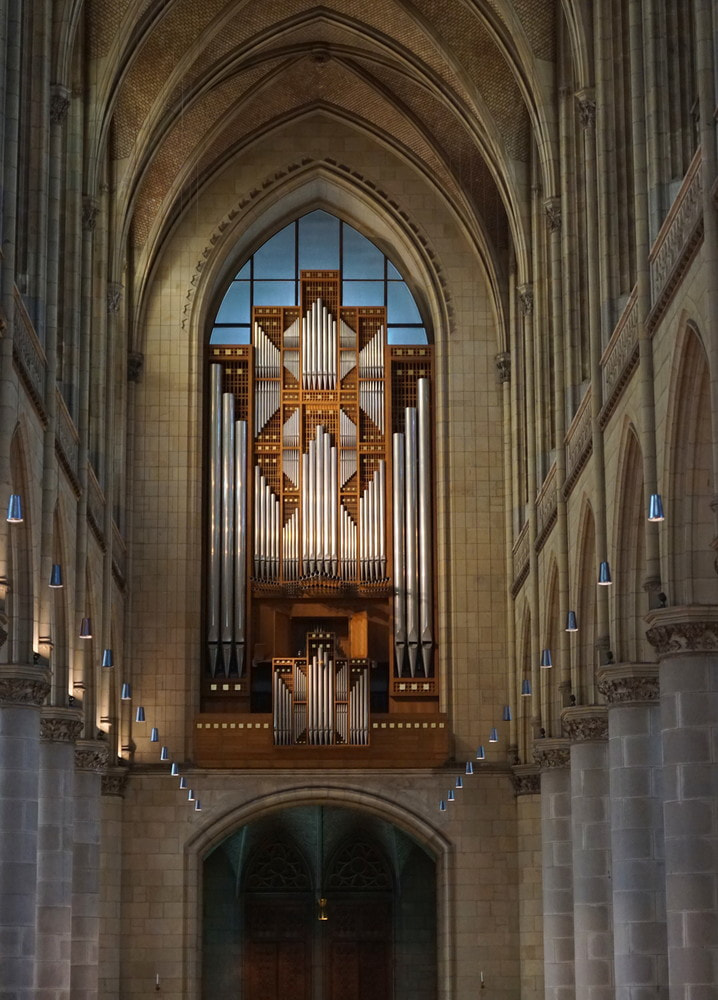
(20, 597)
(550, 677)
(583, 684)
(631, 604)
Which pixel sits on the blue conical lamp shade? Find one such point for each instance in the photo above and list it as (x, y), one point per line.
(140, 716)
(481, 753)
(190, 796)
(107, 660)
(183, 782)
(526, 688)
(459, 781)
(14, 509)
(451, 796)
(56, 576)
(174, 770)
(494, 736)
(469, 767)
(198, 806)
(164, 753)
(604, 575)
(546, 660)
(86, 629)
(655, 508)
(507, 713)
(154, 735)
(126, 692)
(571, 622)
(442, 806)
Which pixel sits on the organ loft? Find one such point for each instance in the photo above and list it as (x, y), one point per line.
(320, 632)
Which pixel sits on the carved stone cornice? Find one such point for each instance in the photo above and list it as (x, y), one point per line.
(503, 366)
(60, 725)
(526, 299)
(526, 779)
(689, 629)
(552, 753)
(628, 683)
(91, 755)
(585, 723)
(114, 781)
(23, 684)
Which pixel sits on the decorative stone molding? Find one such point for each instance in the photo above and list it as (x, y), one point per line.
(552, 208)
(503, 367)
(628, 683)
(91, 755)
(676, 630)
(60, 725)
(585, 723)
(586, 106)
(22, 684)
(526, 779)
(90, 211)
(552, 753)
(526, 299)
(114, 296)
(114, 781)
(135, 364)
(59, 104)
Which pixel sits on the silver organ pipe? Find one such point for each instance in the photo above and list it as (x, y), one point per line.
(411, 534)
(227, 545)
(267, 531)
(426, 627)
(319, 348)
(240, 540)
(399, 491)
(372, 545)
(291, 349)
(215, 513)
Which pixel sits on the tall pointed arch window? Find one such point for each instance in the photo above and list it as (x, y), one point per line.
(320, 555)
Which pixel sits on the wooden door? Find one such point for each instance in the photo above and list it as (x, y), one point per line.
(277, 947)
(357, 948)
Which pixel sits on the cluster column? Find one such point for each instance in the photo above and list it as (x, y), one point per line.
(686, 640)
(23, 689)
(553, 756)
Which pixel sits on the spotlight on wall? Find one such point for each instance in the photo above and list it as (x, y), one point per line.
(107, 660)
(86, 629)
(140, 716)
(571, 622)
(126, 692)
(56, 576)
(507, 713)
(655, 508)
(14, 509)
(604, 575)
(494, 736)
(525, 688)
(546, 660)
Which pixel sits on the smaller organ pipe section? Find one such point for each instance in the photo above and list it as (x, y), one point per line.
(372, 544)
(266, 529)
(319, 699)
(226, 621)
(319, 348)
(320, 507)
(413, 544)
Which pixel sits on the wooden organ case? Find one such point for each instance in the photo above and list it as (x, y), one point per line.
(320, 556)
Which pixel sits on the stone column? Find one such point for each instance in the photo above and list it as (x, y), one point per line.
(59, 728)
(527, 786)
(91, 758)
(635, 777)
(557, 868)
(587, 729)
(23, 689)
(686, 640)
(114, 783)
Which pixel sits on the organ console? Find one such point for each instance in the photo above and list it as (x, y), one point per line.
(320, 511)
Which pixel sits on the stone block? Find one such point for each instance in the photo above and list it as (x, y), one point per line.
(681, 746)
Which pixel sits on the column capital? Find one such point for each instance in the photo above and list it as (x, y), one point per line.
(526, 779)
(552, 208)
(687, 629)
(24, 684)
(59, 103)
(526, 298)
(503, 366)
(60, 725)
(91, 755)
(585, 723)
(586, 104)
(628, 683)
(552, 753)
(114, 781)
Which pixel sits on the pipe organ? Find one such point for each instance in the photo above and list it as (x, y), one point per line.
(320, 516)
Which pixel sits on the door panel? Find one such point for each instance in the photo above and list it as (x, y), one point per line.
(277, 955)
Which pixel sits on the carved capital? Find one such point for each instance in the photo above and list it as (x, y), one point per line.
(135, 364)
(586, 106)
(114, 296)
(60, 725)
(552, 208)
(526, 299)
(676, 630)
(114, 781)
(552, 753)
(585, 723)
(22, 684)
(503, 366)
(90, 211)
(91, 755)
(628, 683)
(526, 779)
(59, 104)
